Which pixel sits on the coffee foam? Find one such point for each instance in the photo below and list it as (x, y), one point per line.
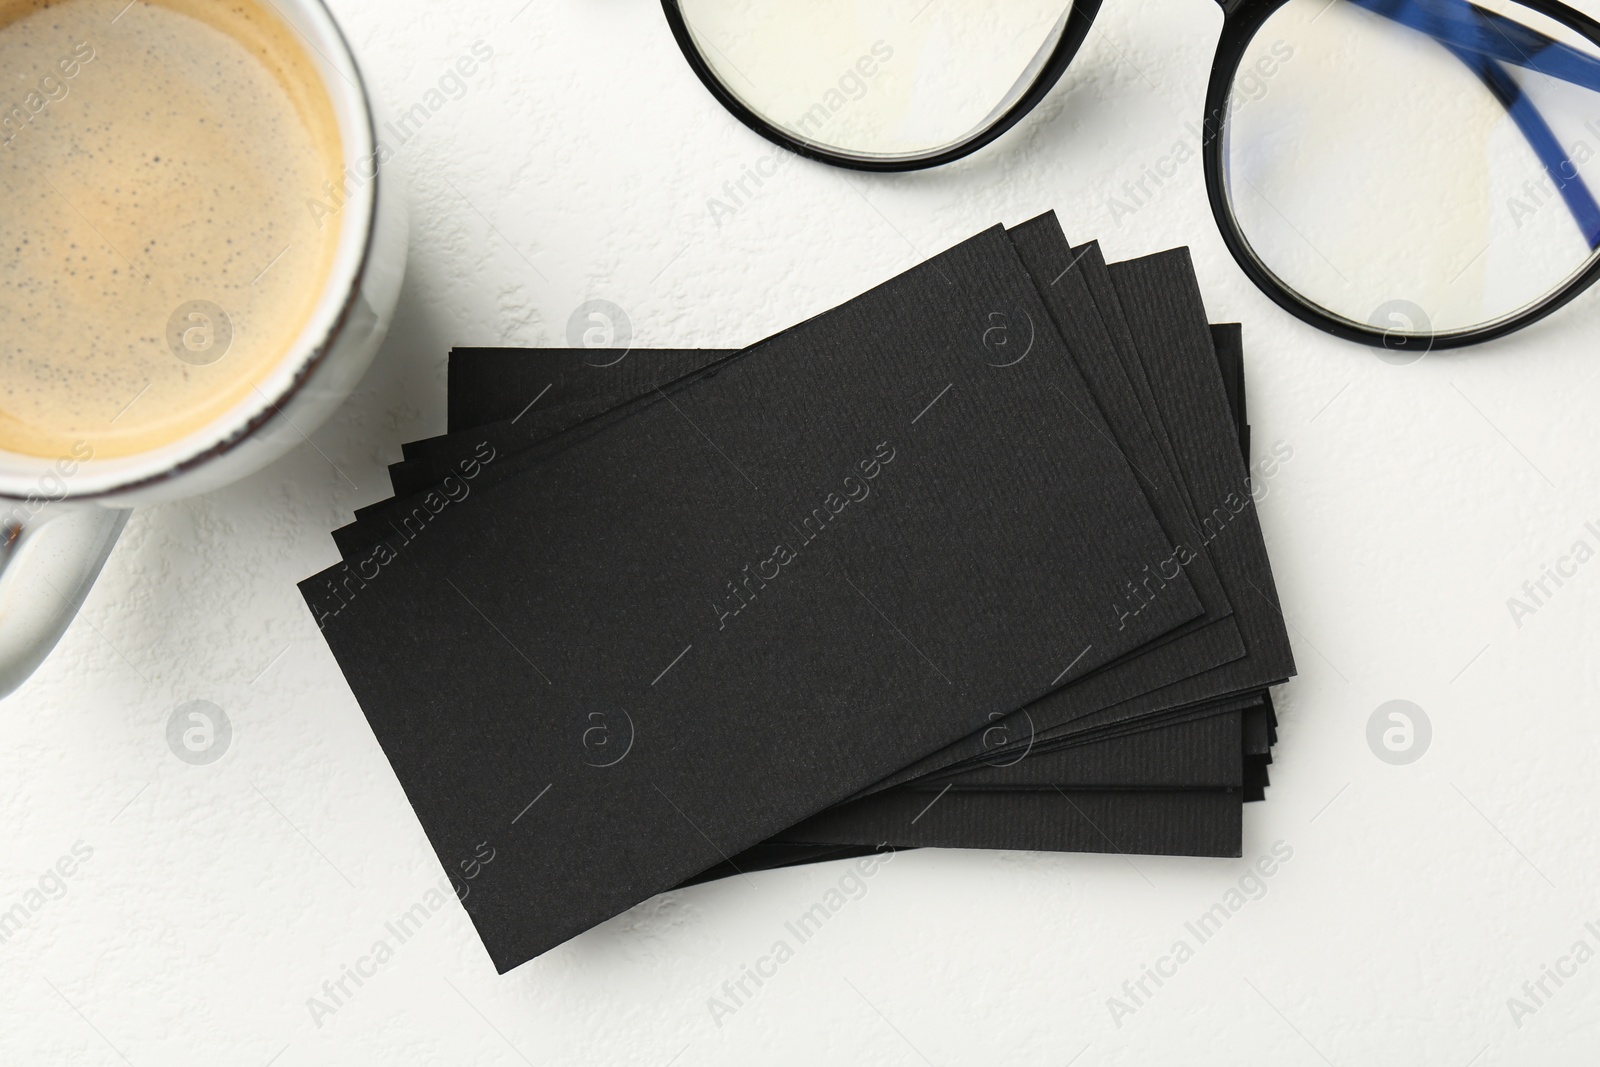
(158, 253)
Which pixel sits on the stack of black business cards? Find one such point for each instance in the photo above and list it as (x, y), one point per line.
(969, 561)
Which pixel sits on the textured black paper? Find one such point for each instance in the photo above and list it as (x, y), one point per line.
(1044, 252)
(1190, 757)
(507, 382)
(1173, 354)
(477, 372)
(1187, 822)
(1127, 433)
(979, 569)
(1186, 372)
(1076, 769)
(1204, 753)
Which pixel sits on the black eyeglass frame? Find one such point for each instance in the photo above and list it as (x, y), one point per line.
(1242, 20)
(1079, 19)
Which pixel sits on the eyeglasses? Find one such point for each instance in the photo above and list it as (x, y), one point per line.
(1410, 174)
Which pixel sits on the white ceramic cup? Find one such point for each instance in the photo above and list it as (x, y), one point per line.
(59, 519)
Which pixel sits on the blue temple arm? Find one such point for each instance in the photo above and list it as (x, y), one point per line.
(1483, 41)
(1563, 174)
(1469, 27)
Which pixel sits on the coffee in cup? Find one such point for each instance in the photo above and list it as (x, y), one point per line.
(166, 167)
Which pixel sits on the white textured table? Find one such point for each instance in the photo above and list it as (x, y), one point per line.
(216, 900)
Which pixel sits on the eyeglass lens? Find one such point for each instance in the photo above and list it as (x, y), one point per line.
(876, 80)
(1419, 166)
(1422, 166)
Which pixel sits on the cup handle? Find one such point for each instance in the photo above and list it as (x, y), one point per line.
(47, 566)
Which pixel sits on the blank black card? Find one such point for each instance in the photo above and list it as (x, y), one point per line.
(496, 384)
(933, 542)
(487, 385)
